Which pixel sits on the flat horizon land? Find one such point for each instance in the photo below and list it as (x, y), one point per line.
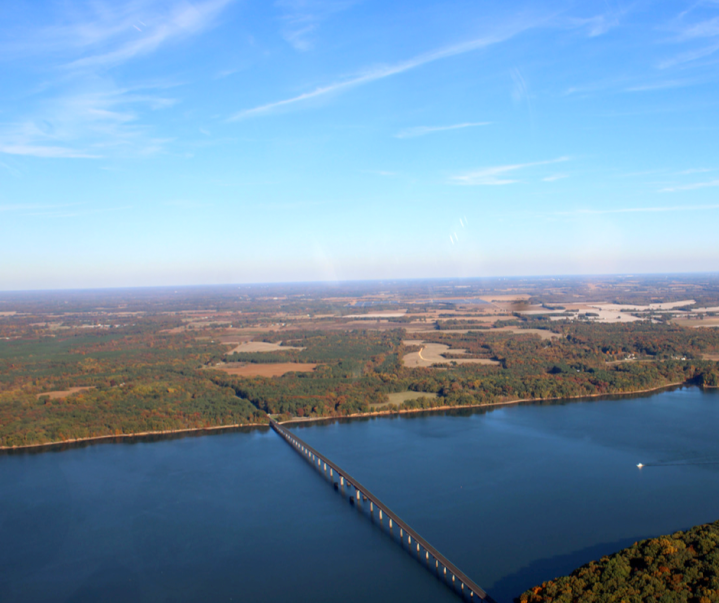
(84, 364)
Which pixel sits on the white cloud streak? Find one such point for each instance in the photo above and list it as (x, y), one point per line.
(183, 20)
(423, 130)
(378, 73)
(102, 34)
(689, 56)
(86, 125)
(25, 207)
(634, 210)
(689, 187)
(494, 176)
(45, 151)
(302, 18)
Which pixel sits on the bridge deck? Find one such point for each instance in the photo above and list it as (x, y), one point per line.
(467, 586)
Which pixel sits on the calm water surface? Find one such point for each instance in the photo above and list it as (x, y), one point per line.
(513, 496)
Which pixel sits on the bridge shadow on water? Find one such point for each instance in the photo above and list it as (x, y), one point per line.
(507, 588)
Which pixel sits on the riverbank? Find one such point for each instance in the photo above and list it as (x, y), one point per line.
(376, 413)
(402, 411)
(139, 434)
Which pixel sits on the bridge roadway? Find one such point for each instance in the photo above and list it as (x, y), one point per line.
(453, 576)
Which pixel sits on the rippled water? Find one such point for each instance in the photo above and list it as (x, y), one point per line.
(513, 496)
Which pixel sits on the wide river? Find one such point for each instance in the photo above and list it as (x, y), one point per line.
(512, 495)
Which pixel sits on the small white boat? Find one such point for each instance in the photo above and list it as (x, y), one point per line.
(640, 465)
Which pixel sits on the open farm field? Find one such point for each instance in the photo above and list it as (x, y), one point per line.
(261, 346)
(543, 333)
(433, 353)
(268, 370)
(63, 393)
(399, 398)
(693, 323)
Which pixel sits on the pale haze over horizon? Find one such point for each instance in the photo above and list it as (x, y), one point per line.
(168, 142)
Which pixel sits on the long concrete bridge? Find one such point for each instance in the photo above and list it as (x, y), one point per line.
(423, 551)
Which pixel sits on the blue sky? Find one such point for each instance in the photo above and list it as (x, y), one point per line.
(161, 142)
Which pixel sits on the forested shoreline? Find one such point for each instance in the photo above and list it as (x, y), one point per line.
(681, 567)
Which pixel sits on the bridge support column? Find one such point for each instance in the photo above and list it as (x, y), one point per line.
(357, 495)
(331, 474)
(380, 518)
(371, 507)
(342, 481)
(390, 521)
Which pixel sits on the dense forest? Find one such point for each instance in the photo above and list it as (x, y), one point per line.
(139, 379)
(682, 567)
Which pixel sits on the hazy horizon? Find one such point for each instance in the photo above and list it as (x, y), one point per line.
(378, 281)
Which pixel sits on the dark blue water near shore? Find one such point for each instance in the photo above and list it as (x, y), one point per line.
(512, 495)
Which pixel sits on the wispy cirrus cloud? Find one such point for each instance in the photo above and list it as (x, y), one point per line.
(87, 125)
(423, 130)
(25, 208)
(182, 20)
(691, 55)
(703, 32)
(57, 210)
(89, 35)
(78, 213)
(701, 29)
(383, 71)
(634, 210)
(45, 151)
(554, 177)
(496, 175)
(302, 18)
(689, 171)
(80, 111)
(689, 187)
